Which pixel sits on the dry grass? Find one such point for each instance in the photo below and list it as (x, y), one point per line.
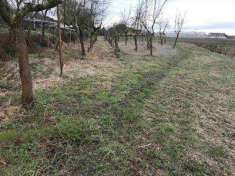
(100, 61)
(170, 114)
(158, 50)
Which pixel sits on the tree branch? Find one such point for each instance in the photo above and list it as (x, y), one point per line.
(39, 7)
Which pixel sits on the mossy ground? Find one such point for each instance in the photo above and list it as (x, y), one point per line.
(162, 115)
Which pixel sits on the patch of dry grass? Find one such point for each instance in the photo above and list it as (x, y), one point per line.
(171, 114)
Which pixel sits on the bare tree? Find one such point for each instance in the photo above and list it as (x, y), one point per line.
(44, 14)
(116, 46)
(81, 23)
(97, 11)
(113, 38)
(163, 25)
(13, 12)
(75, 13)
(59, 40)
(136, 24)
(151, 10)
(179, 22)
(70, 8)
(126, 21)
(86, 17)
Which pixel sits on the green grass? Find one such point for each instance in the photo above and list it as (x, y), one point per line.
(221, 46)
(161, 116)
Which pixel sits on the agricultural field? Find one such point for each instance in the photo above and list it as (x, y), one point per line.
(222, 46)
(172, 113)
(99, 88)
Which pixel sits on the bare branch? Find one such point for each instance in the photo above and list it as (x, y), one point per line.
(30, 7)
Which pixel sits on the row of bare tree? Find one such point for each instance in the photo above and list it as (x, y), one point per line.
(84, 16)
(13, 13)
(143, 22)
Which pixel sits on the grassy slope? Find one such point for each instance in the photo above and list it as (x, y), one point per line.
(157, 116)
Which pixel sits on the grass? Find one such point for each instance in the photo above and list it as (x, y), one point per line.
(222, 46)
(161, 116)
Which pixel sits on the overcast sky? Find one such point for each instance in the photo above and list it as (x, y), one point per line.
(202, 15)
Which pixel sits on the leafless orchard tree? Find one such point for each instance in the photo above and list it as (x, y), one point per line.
(116, 46)
(70, 15)
(44, 15)
(150, 13)
(113, 37)
(97, 12)
(59, 40)
(13, 12)
(179, 22)
(125, 20)
(163, 25)
(136, 23)
(81, 23)
(76, 16)
(86, 17)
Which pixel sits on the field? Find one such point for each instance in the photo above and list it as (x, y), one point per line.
(170, 114)
(222, 46)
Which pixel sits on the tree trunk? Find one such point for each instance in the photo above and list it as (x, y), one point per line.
(70, 37)
(161, 39)
(148, 41)
(90, 44)
(93, 39)
(126, 37)
(117, 49)
(136, 42)
(60, 42)
(43, 24)
(43, 30)
(176, 39)
(151, 45)
(64, 20)
(164, 41)
(111, 41)
(142, 37)
(29, 34)
(12, 35)
(54, 39)
(24, 67)
(81, 38)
